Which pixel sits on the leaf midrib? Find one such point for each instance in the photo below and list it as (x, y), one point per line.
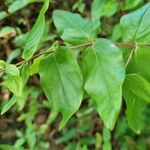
(59, 74)
(141, 19)
(86, 35)
(136, 86)
(101, 70)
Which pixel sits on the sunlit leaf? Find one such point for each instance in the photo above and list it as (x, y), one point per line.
(73, 28)
(104, 74)
(62, 82)
(35, 35)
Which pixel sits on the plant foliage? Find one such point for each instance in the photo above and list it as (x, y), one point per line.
(105, 71)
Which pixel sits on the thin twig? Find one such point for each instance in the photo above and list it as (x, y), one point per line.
(51, 51)
(48, 52)
(133, 45)
(81, 45)
(125, 44)
(35, 56)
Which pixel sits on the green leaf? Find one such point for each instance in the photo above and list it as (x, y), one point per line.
(15, 6)
(24, 73)
(136, 25)
(107, 146)
(3, 14)
(135, 101)
(13, 80)
(139, 86)
(62, 82)
(73, 28)
(131, 4)
(116, 33)
(6, 147)
(18, 4)
(140, 62)
(12, 70)
(35, 66)
(67, 136)
(35, 35)
(79, 5)
(21, 101)
(14, 54)
(103, 8)
(9, 104)
(16, 84)
(2, 64)
(5, 31)
(20, 40)
(104, 74)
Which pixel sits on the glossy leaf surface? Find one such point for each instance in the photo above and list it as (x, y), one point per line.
(35, 35)
(73, 28)
(136, 93)
(136, 25)
(62, 82)
(104, 75)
